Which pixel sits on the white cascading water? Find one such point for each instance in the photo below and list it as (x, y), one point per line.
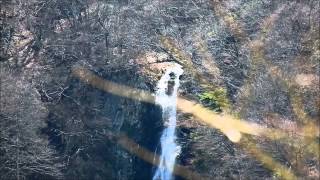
(168, 103)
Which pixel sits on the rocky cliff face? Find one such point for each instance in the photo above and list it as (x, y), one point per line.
(86, 116)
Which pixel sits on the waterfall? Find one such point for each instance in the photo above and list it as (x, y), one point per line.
(166, 97)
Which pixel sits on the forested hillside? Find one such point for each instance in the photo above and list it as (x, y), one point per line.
(79, 80)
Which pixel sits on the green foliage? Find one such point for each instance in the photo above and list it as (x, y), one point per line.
(216, 100)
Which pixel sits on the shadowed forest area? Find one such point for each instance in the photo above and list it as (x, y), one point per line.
(78, 87)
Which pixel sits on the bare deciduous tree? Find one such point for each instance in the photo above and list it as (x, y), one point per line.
(24, 150)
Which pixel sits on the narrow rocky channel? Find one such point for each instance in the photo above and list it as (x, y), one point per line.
(166, 97)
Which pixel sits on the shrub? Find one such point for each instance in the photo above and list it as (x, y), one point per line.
(216, 100)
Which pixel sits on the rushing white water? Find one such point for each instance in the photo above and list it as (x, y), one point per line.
(166, 97)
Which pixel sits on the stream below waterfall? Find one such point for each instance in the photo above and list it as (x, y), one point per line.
(166, 97)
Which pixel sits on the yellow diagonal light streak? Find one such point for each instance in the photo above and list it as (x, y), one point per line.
(250, 146)
(144, 154)
(223, 122)
(226, 123)
(111, 87)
